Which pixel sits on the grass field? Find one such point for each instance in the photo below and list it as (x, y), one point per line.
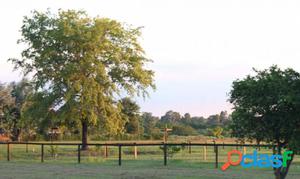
(131, 169)
(25, 163)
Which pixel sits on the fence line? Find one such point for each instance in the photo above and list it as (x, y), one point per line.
(120, 145)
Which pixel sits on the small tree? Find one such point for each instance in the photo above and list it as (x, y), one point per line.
(267, 108)
(216, 132)
(172, 150)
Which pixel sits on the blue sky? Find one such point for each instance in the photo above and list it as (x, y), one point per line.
(198, 47)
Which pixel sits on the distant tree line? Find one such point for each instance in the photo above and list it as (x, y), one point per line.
(17, 105)
(187, 125)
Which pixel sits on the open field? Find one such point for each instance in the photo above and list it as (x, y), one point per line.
(25, 162)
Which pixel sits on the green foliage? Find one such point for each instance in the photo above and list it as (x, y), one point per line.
(213, 120)
(171, 117)
(187, 117)
(149, 123)
(156, 134)
(130, 113)
(183, 130)
(53, 151)
(80, 65)
(195, 122)
(192, 125)
(216, 132)
(172, 150)
(6, 98)
(266, 108)
(13, 100)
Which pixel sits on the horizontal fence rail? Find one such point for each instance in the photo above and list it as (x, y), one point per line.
(120, 146)
(143, 144)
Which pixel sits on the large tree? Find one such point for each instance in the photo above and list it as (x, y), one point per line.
(13, 99)
(267, 108)
(82, 64)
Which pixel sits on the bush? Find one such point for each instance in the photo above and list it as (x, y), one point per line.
(172, 150)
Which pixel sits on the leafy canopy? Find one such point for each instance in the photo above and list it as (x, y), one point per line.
(13, 101)
(266, 106)
(80, 65)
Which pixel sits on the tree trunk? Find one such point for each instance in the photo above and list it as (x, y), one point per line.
(285, 171)
(84, 138)
(16, 134)
(281, 172)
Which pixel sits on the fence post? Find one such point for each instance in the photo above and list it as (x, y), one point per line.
(78, 154)
(204, 152)
(105, 151)
(8, 152)
(216, 151)
(165, 154)
(120, 154)
(135, 152)
(245, 150)
(42, 153)
(190, 147)
(223, 145)
(27, 147)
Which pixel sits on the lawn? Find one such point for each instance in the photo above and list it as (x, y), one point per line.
(130, 169)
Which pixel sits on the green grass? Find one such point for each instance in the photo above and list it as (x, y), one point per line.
(130, 169)
(149, 164)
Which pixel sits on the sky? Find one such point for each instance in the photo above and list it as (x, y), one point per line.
(198, 47)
